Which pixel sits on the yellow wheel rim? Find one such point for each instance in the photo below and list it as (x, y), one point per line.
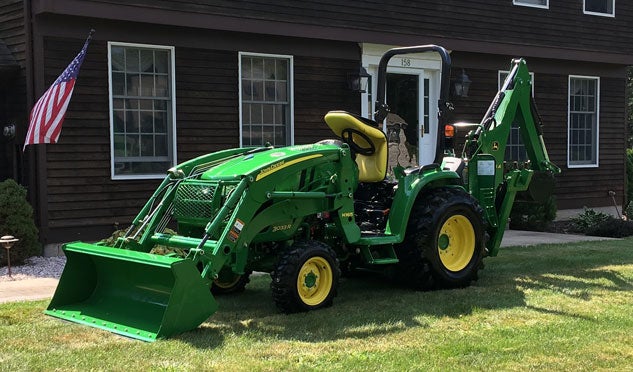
(314, 282)
(456, 242)
(226, 284)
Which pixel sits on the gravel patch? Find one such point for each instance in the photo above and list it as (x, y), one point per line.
(35, 267)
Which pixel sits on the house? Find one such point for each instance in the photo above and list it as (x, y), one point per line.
(165, 81)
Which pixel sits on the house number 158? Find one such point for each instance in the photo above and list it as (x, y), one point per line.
(406, 62)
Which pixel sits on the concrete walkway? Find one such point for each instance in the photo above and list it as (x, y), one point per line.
(27, 289)
(40, 288)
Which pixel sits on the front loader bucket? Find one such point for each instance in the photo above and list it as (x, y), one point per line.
(135, 294)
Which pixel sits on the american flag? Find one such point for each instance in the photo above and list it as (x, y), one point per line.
(45, 122)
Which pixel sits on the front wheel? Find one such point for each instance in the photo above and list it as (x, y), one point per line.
(229, 282)
(306, 277)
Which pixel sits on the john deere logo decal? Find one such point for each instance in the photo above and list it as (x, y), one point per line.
(281, 165)
(495, 146)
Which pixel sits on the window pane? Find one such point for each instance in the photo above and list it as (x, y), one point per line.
(160, 122)
(246, 68)
(133, 85)
(147, 122)
(269, 69)
(258, 68)
(531, 2)
(599, 6)
(161, 61)
(162, 86)
(282, 91)
(258, 90)
(282, 69)
(118, 121)
(160, 145)
(118, 83)
(147, 145)
(268, 117)
(118, 59)
(147, 60)
(147, 85)
(132, 60)
(269, 92)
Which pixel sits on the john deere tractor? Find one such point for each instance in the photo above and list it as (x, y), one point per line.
(306, 213)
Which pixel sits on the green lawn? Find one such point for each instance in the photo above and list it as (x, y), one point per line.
(549, 307)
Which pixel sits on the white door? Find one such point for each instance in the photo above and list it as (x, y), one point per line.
(411, 125)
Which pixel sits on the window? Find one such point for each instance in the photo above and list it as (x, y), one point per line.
(532, 3)
(142, 110)
(582, 120)
(515, 149)
(600, 7)
(266, 110)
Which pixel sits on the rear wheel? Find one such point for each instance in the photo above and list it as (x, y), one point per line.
(306, 277)
(445, 240)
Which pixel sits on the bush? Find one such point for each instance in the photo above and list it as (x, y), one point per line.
(16, 218)
(628, 211)
(612, 228)
(589, 219)
(533, 216)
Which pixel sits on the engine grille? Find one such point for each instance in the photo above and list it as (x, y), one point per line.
(194, 200)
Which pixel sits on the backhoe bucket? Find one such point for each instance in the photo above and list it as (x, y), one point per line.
(135, 294)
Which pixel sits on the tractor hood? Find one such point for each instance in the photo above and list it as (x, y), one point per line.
(259, 164)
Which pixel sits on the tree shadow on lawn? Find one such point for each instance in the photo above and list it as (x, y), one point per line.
(369, 304)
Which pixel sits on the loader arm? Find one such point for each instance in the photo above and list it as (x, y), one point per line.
(485, 151)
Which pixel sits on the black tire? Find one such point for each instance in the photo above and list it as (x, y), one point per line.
(444, 245)
(229, 282)
(319, 288)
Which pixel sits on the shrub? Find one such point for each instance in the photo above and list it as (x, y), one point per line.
(531, 215)
(628, 211)
(589, 219)
(16, 218)
(612, 228)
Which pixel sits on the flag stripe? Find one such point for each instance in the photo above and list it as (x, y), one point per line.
(52, 134)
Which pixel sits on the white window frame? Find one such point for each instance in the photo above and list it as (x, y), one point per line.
(291, 94)
(172, 73)
(521, 3)
(584, 11)
(597, 161)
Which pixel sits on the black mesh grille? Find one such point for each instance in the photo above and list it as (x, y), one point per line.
(193, 200)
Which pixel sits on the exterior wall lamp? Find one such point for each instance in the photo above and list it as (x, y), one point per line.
(461, 85)
(357, 80)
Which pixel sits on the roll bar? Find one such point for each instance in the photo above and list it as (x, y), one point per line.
(382, 109)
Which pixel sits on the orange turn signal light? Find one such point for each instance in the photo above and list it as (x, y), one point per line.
(449, 131)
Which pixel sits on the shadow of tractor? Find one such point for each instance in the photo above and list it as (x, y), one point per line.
(369, 305)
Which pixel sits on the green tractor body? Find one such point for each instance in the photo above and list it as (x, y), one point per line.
(304, 213)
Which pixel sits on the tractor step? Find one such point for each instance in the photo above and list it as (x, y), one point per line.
(379, 255)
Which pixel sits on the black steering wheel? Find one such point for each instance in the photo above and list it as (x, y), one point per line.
(348, 137)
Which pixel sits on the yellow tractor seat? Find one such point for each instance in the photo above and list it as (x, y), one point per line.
(369, 143)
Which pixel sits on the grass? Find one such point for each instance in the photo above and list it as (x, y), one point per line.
(549, 307)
